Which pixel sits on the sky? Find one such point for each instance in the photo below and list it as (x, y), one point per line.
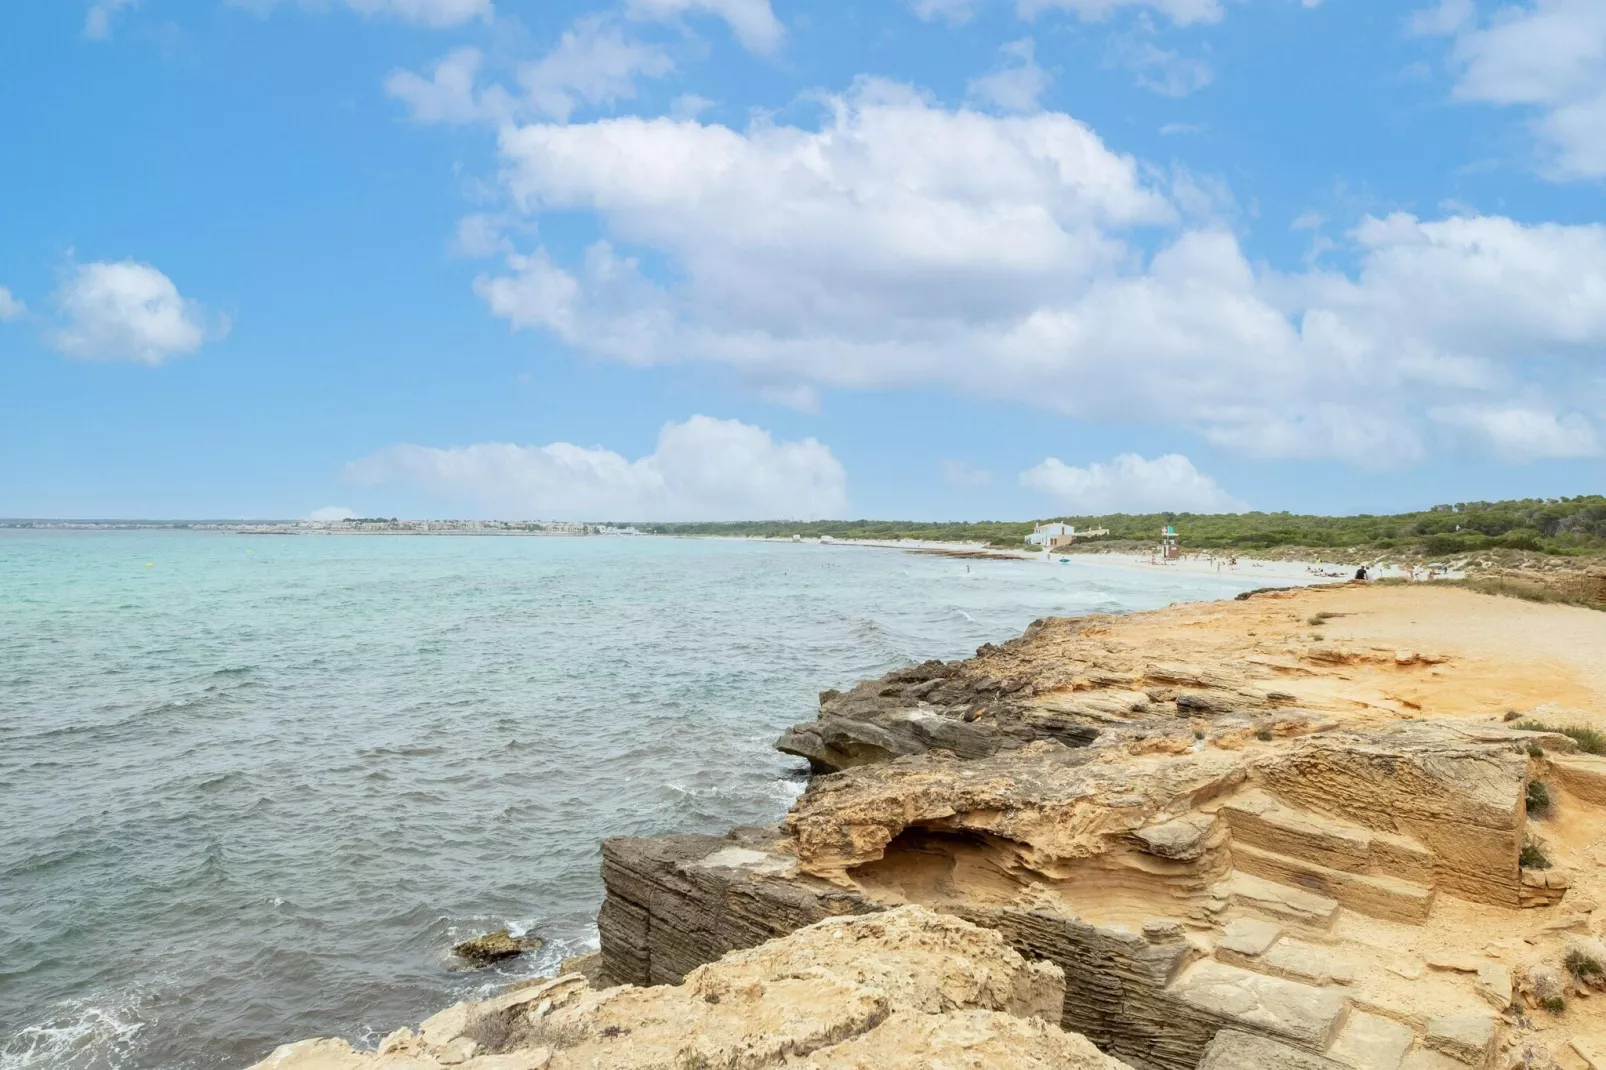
(722, 259)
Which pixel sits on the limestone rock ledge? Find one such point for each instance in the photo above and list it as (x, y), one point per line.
(902, 989)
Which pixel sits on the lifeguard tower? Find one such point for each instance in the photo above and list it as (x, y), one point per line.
(1170, 543)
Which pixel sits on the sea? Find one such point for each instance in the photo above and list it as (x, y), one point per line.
(254, 787)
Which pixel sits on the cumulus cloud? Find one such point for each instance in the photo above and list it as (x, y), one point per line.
(901, 243)
(438, 14)
(1546, 56)
(449, 94)
(10, 307)
(126, 310)
(98, 20)
(1131, 484)
(1517, 433)
(330, 513)
(753, 22)
(593, 64)
(1017, 83)
(702, 469)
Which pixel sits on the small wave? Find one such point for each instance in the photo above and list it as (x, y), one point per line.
(79, 1036)
(234, 670)
(402, 752)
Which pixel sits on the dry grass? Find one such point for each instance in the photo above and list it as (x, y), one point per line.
(1589, 740)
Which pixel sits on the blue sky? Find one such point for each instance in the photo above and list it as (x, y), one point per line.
(757, 258)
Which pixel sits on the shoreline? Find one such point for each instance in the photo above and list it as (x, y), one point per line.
(1211, 807)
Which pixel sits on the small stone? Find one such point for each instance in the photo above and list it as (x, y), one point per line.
(1494, 985)
(1453, 962)
(1468, 1037)
(456, 1052)
(1248, 937)
(1591, 1051)
(1162, 931)
(399, 1041)
(494, 947)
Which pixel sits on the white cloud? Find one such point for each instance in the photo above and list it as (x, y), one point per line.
(479, 236)
(1523, 434)
(1016, 84)
(753, 22)
(1131, 484)
(1157, 69)
(702, 469)
(330, 513)
(965, 474)
(126, 310)
(689, 106)
(902, 244)
(439, 14)
(1548, 56)
(10, 307)
(98, 21)
(449, 94)
(1181, 12)
(1445, 17)
(957, 12)
(593, 64)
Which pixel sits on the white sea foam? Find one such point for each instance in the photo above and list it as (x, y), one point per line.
(77, 1036)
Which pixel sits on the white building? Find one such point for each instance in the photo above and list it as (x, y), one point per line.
(1051, 536)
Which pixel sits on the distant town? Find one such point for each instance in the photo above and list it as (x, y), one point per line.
(352, 526)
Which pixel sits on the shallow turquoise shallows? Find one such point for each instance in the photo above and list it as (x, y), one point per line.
(252, 788)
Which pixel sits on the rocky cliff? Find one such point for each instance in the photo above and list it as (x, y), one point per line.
(1320, 828)
(1350, 827)
(904, 990)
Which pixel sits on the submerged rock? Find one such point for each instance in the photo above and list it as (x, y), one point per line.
(494, 947)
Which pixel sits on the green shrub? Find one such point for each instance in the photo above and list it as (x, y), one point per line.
(1538, 798)
(1589, 740)
(1264, 735)
(1584, 966)
(1533, 857)
(1554, 1004)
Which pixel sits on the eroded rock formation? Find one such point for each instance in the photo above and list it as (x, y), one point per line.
(1287, 831)
(1326, 829)
(903, 990)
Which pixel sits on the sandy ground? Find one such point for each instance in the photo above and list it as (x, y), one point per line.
(1274, 572)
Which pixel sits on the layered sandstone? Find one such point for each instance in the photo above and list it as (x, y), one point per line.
(1283, 831)
(902, 990)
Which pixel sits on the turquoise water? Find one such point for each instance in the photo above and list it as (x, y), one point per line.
(253, 788)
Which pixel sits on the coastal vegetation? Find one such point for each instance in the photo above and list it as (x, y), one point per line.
(1561, 526)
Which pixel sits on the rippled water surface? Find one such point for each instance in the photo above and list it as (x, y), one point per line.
(253, 788)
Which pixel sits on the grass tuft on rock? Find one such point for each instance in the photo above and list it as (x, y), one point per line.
(1584, 966)
(1538, 798)
(1533, 856)
(1589, 740)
